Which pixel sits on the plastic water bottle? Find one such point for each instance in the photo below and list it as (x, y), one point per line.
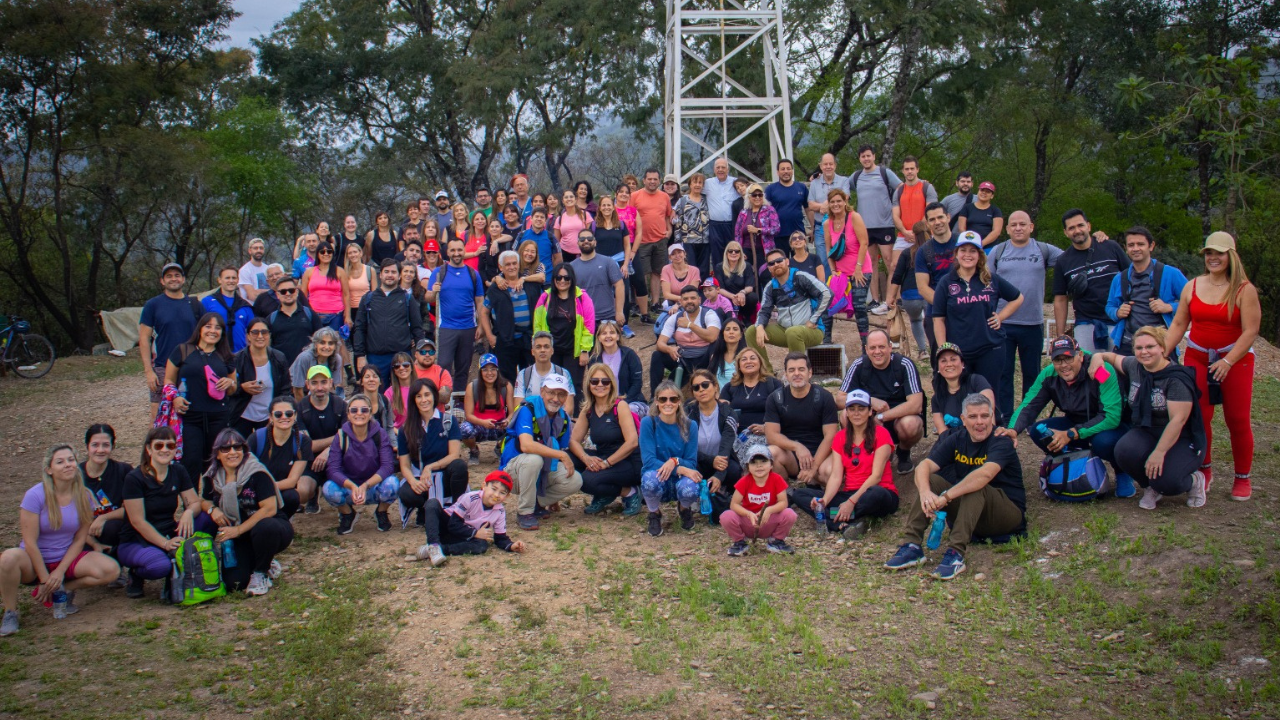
(935, 530)
(1043, 430)
(820, 518)
(228, 554)
(182, 389)
(704, 490)
(60, 605)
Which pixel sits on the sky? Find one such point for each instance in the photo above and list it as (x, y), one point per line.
(257, 18)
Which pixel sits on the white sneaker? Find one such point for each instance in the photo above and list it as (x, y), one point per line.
(274, 571)
(434, 553)
(1149, 499)
(879, 309)
(1196, 496)
(258, 585)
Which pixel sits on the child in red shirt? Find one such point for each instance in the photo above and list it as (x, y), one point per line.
(759, 507)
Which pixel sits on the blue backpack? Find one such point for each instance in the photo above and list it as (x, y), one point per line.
(1074, 477)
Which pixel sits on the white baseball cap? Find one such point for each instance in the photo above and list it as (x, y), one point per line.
(969, 237)
(674, 247)
(556, 381)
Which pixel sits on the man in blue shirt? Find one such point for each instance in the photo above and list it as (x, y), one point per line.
(535, 452)
(226, 302)
(459, 296)
(720, 196)
(307, 259)
(168, 320)
(789, 199)
(933, 261)
(548, 250)
(1145, 294)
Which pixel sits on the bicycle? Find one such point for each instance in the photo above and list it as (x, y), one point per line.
(28, 355)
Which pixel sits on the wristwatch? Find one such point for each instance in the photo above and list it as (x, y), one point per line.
(880, 417)
(1073, 434)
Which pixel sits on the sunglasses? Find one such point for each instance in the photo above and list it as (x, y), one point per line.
(260, 331)
(669, 400)
(427, 351)
(563, 278)
(359, 411)
(757, 194)
(233, 447)
(600, 382)
(402, 365)
(282, 414)
(777, 261)
(857, 453)
(324, 252)
(734, 252)
(586, 237)
(164, 445)
(699, 387)
(286, 291)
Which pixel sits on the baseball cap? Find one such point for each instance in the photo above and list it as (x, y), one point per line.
(442, 194)
(488, 359)
(556, 381)
(710, 282)
(948, 347)
(671, 177)
(500, 477)
(424, 342)
(969, 237)
(175, 266)
(756, 451)
(1063, 346)
(431, 245)
(318, 370)
(674, 247)
(1220, 241)
(857, 397)
(987, 185)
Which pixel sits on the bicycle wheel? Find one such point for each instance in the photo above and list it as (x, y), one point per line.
(31, 356)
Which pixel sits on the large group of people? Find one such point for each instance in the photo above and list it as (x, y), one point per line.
(345, 373)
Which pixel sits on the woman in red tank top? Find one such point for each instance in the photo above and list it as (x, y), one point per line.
(1224, 314)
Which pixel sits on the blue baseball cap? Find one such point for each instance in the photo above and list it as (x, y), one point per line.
(488, 359)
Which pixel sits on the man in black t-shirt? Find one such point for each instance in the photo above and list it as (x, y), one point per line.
(975, 476)
(321, 414)
(292, 325)
(1084, 271)
(800, 421)
(897, 399)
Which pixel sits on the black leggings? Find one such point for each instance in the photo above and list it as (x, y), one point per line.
(660, 363)
(199, 430)
(110, 536)
(876, 502)
(1175, 477)
(290, 502)
(569, 362)
(989, 364)
(610, 482)
(437, 527)
(255, 551)
(455, 485)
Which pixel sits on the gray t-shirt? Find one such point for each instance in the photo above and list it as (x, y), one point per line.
(1141, 290)
(596, 278)
(709, 432)
(1024, 268)
(954, 203)
(875, 201)
(819, 188)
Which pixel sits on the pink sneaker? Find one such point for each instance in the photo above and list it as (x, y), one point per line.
(1242, 490)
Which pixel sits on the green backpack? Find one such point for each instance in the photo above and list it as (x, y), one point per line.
(197, 572)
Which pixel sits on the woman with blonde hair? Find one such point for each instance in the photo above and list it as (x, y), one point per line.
(1225, 315)
(739, 282)
(669, 457)
(612, 467)
(460, 224)
(756, 226)
(54, 523)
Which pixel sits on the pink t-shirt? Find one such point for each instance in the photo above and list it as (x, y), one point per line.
(570, 226)
(470, 507)
(690, 277)
(628, 217)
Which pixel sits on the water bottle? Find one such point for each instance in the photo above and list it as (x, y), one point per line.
(228, 554)
(820, 518)
(60, 605)
(182, 389)
(704, 489)
(1042, 430)
(935, 530)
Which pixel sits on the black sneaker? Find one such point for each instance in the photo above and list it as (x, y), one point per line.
(904, 462)
(655, 524)
(136, 587)
(346, 523)
(384, 522)
(779, 546)
(421, 520)
(313, 505)
(738, 549)
(686, 518)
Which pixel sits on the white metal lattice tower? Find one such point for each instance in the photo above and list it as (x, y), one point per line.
(733, 26)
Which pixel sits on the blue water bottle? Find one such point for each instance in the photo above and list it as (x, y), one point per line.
(182, 389)
(820, 518)
(60, 604)
(704, 490)
(228, 554)
(935, 530)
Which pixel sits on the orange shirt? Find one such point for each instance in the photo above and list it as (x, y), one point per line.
(911, 204)
(654, 211)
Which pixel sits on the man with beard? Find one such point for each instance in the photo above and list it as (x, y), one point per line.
(253, 274)
(800, 421)
(1084, 271)
(695, 330)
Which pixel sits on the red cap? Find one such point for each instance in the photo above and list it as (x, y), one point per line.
(987, 185)
(499, 476)
(431, 245)
(710, 282)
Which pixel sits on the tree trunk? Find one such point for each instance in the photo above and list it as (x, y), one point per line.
(1204, 160)
(1040, 185)
(903, 85)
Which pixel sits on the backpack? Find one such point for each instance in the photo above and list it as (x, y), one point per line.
(271, 319)
(1126, 287)
(197, 572)
(789, 289)
(1074, 477)
(635, 421)
(260, 441)
(998, 252)
(537, 430)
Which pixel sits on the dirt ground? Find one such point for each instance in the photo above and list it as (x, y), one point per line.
(575, 601)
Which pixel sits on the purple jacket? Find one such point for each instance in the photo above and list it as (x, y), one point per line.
(359, 461)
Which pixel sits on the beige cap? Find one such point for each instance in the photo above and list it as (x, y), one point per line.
(1220, 241)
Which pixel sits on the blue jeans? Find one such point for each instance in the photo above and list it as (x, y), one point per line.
(656, 492)
(383, 363)
(1103, 445)
(1027, 342)
(820, 242)
(381, 494)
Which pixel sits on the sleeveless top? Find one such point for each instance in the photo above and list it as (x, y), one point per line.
(486, 412)
(358, 284)
(569, 227)
(849, 261)
(1210, 326)
(382, 249)
(324, 293)
(605, 433)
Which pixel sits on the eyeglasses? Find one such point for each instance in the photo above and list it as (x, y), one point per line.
(777, 261)
(324, 252)
(260, 331)
(282, 414)
(233, 447)
(757, 194)
(164, 445)
(669, 400)
(563, 278)
(286, 291)
(402, 365)
(600, 382)
(699, 387)
(359, 411)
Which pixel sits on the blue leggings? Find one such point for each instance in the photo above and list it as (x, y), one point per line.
(656, 492)
(381, 494)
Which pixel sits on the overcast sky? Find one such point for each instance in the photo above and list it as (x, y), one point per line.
(257, 18)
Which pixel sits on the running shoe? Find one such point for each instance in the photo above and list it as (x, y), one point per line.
(952, 565)
(627, 332)
(655, 524)
(909, 555)
(1242, 490)
(1149, 499)
(258, 585)
(686, 518)
(384, 522)
(346, 523)
(776, 545)
(9, 625)
(739, 548)
(1198, 494)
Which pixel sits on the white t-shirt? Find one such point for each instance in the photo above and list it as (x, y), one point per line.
(688, 338)
(534, 385)
(253, 276)
(256, 410)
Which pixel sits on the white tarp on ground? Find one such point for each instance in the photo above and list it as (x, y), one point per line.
(121, 326)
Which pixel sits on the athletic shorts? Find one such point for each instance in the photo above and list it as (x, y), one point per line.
(71, 569)
(902, 244)
(158, 394)
(882, 236)
(651, 257)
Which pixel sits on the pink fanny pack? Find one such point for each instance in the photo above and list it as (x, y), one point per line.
(211, 379)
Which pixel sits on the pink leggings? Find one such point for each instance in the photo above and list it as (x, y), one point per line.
(776, 527)
(1237, 404)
